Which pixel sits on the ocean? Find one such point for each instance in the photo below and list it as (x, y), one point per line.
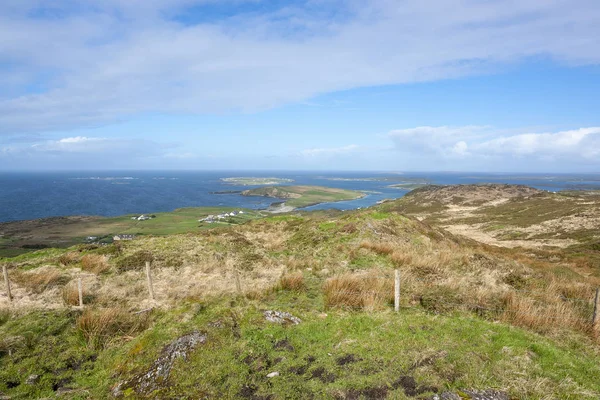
(47, 194)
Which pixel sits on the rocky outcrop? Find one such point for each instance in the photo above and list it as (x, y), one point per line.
(157, 376)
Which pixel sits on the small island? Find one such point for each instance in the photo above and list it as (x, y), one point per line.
(303, 196)
(254, 181)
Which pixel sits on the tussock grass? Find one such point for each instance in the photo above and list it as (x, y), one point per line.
(100, 327)
(293, 281)
(379, 248)
(40, 279)
(367, 291)
(70, 294)
(69, 258)
(544, 316)
(95, 263)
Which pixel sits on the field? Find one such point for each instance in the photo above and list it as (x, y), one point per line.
(474, 318)
(24, 236)
(304, 196)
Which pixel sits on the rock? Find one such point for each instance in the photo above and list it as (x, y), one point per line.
(32, 379)
(157, 375)
(473, 395)
(280, 317)
(273, 374)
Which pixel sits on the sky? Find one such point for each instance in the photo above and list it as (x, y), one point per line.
(386, 85)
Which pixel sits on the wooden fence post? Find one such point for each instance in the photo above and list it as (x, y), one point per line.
(149, 279)
(397, 291)
(80, 290)
(7, 282)
(238, 284)
(595, 316)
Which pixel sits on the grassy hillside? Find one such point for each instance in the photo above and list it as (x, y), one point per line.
(473, 318)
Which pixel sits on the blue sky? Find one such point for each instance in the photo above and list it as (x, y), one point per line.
(455, 85)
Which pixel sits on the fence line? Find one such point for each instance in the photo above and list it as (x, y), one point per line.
(593, 315)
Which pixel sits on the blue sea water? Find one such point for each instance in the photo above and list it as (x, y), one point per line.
(38, 195)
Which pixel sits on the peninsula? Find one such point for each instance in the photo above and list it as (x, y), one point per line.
(303, 196)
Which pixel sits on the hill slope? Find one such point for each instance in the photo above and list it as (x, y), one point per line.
(473, 317)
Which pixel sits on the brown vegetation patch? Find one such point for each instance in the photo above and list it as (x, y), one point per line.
(293, 282)
(95, 263)
(100, 327)
(40, 279)
(69, 258)
(368, 291)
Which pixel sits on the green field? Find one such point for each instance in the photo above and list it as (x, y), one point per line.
(64, 232)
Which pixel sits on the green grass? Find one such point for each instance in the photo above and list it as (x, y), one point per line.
(330, 353)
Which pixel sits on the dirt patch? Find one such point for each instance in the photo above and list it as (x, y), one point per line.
(323, 375)
(283, 345)
(298, 370)
(347, 359)
(410, 386)
(371, 393)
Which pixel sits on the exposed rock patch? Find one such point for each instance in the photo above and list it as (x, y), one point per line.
(281, 317)
(156, 377)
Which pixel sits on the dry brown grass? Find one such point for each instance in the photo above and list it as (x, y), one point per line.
(94, 263)
(70, 294)
(383, 248)
(368, 291)
(293, 281)
(69, 258)
(100, 327)
(544, 316)
(39, 280)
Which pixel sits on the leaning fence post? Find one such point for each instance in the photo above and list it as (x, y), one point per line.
(596, 306)
(397, 291)
(149, 279)
(80, 290)
(7, 282)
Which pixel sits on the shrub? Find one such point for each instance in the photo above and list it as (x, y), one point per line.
(366, 291)
(294, 282)
(69, 258)
(136, 260)
(101, 326)
(94, 263)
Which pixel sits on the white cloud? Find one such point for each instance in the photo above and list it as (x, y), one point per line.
(484, 145)
(109, 59)
(329, 151)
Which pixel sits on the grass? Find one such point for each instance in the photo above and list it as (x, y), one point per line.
(37, 281)
(367, 291)
(472, 316)
(95, 263)
(101, 326)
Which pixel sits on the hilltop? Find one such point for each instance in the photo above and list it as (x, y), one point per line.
(505, 322)
(509, 215)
